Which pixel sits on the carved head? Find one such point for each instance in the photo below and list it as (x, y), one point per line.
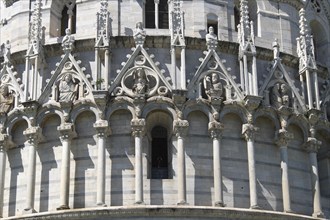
(211, 30)
(67, 31)
(215, 78)
(139, 25)
(67, 78)
(4, 90)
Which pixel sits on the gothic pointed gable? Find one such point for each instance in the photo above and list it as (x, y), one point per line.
(212, 64)
(140, 67)
(8, 79)
(278, 88)
(68, 82)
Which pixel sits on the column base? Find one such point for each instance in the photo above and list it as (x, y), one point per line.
(139, 203)
(63, 207)
(101, 204)
(319, 214)
(288, 211)
(219, 204)
(182, 203)
(28, 211)
(255, 207)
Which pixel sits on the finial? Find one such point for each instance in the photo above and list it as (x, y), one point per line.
(211, 39)
(68, 40)
(139, 34)
(276, 49)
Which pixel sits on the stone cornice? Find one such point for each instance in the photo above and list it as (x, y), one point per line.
(154, 212)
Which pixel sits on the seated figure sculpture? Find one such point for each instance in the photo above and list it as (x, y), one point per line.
(6, 99)
(67, 89)
(213, 86)
(140, 85)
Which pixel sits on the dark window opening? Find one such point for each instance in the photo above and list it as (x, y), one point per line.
(163, 14)
(159, 153)
(214, 24)
(150, 14)
(65, 20)
(236, 17)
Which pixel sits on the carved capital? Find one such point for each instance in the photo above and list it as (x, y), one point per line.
(312, 145)
(138, 127)
(180, 127)
(4, 140)
(66, 131)
(249, 131)
(215, 129)
(283, 137)
(252, 102)
(102, 128)
(33, 135)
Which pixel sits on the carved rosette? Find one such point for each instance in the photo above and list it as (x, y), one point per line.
(138, 127)
(102, 128)
(66, 131)
(215, 129)
(249, 131)
(283, 138)
(180, 127)
(312, 145)
(33, 135)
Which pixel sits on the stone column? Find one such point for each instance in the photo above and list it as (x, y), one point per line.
(156, 14)
(309, 90)
(180, 128)
(3, 153)
(183, 68)
(102, 130)
(173, 67)
(249, 131)
(282, 141)
(66, 131)
(312, 145)
(215, 129)
(32, 134)
(138, 130)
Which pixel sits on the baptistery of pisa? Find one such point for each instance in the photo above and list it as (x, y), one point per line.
(165, 109)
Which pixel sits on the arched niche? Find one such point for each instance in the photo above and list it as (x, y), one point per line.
(299, 171)
(323, 161)
(49, 127)
(84, 124)
(212, 20)
(199, 162)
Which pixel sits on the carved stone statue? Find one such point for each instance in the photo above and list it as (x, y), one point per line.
(140, 85)
(139, 34)
(280, 95)
(68, 40)
(211, 39)
(6, 99)
(7, 52)
(213, 86)
(67, 89)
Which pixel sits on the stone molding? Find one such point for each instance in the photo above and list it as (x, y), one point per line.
(174, 212)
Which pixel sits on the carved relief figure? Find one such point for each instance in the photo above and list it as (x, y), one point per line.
(280, 95)
(140, 85)
(67, 89)
(6, 99)
(213, 86)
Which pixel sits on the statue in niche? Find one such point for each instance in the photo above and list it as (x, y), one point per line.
(68, 40)
(67, 89)
(211, 39)
(140, 85)
(280, 95)
(6, 99)
(213, 86)
(139, 34)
